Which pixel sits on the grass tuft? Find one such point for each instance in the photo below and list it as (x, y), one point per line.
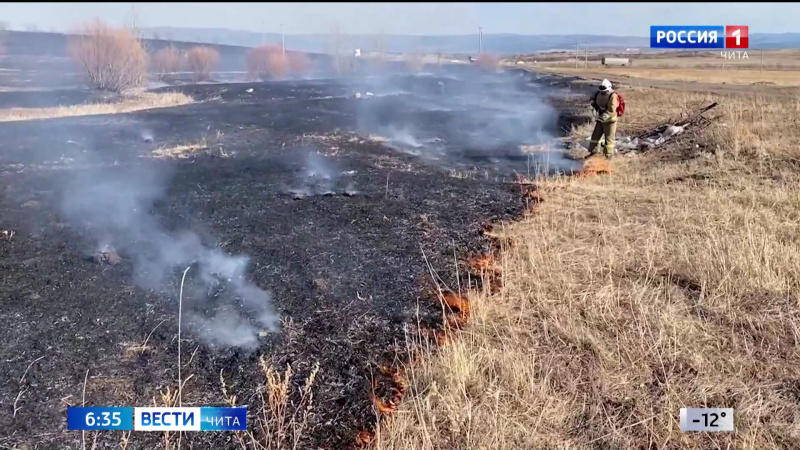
(130, 103)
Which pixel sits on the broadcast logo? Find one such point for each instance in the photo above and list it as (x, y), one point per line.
(157, 419)
(699, 37)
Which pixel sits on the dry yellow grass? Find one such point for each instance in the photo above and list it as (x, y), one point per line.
(771, 60)
(671, 283)
(130, 103)
(776, 77)
(179, 151)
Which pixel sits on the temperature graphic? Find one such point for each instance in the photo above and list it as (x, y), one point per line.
(707, 419)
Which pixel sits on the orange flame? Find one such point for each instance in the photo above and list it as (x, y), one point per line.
(596, 165)
(384, 407)
(397, 390)
(485, 264)
(364, 438)
(459, 306)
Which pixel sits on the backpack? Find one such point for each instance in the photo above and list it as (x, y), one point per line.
(621, 106)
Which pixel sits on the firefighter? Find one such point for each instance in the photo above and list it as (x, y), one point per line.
(605, 102)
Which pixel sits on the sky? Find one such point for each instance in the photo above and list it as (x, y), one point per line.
(615, 19)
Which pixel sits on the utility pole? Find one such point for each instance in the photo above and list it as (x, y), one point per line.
(577, 54)
(586, 55)
(762, 61)
(133, 20)
(480, 40)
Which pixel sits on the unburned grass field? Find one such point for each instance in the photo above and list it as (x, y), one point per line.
(731, 75)
(671, 282)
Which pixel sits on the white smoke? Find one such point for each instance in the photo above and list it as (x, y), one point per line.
(320, 175)
(463, 118)
(115, 205)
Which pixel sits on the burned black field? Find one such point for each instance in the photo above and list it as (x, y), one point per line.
(331, 207)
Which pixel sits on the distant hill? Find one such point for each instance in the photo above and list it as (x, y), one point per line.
(31, 49)
(494, 43)
(497, 43)
(40, 60)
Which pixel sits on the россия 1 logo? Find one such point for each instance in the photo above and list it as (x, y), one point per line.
(700, 36)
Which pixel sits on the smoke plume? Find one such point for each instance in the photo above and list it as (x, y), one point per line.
(115, 205)
(462, 117)
(320, 175)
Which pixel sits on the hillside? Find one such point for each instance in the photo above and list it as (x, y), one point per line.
(38, 59)
(20, 45)
(496, 43)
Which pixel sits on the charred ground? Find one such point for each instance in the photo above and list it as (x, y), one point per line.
(346, 263)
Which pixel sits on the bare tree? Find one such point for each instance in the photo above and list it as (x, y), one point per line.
(201, 61)
(31, 27)
(112, 58)
(266, 62)
(336, 43)
(166, 62)
(135, 26)
(379, 49)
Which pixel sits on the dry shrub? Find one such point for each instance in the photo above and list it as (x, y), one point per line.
(487, 62)
(667, 284)
(282, 423)
(112, 59)
(166, 62)
(282, 413)
(201, 61)
(267, 62)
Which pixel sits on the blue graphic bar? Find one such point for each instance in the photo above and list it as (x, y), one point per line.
(99, 418)
(223, 419)
(206, 418)
(679, 36)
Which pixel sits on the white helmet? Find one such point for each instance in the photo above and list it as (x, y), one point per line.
(605, 85)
